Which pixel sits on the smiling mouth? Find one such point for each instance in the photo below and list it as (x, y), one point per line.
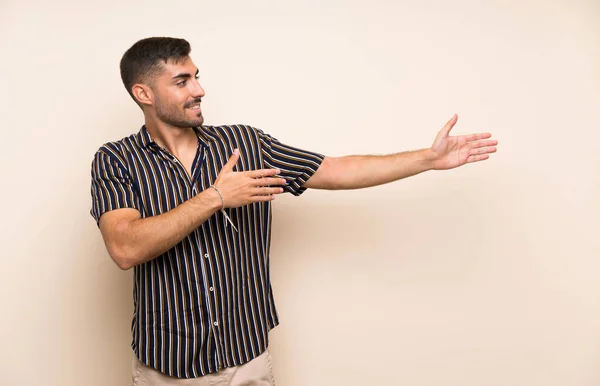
(195, 107)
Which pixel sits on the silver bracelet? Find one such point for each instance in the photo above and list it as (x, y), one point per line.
(223, 207)
(220, 196)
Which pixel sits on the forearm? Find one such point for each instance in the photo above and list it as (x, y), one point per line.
(362, 171)
(144, 239)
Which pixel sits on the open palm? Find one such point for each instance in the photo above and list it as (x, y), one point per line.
(451, 152)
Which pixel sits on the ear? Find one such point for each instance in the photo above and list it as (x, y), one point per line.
(143, 94)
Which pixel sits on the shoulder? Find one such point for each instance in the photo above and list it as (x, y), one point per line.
(227, 130)
(117, 151)
(234, 134)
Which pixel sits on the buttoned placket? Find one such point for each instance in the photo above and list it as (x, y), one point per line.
(210, 292)
(206, 262)
(206, 265)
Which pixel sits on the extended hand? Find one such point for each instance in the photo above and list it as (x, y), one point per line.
(450, 152)
(242, 188)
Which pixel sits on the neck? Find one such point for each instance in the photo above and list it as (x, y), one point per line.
(174, 139)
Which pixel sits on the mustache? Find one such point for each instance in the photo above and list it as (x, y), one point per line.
(191, 103)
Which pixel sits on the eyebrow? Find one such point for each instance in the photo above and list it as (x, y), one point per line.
(185, 75)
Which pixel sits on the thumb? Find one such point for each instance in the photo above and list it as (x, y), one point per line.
(449, 125)
(232, 161)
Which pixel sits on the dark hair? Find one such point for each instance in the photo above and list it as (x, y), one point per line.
(145, 58)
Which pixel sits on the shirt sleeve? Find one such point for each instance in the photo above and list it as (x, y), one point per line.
(112, 186)
(296, 165)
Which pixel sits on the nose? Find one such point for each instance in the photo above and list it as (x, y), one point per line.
(198, 91)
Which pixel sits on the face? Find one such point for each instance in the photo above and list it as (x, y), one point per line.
(177, 94)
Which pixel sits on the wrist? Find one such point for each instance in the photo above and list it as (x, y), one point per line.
(223, 207)
(428, 158)
(213, 187)
(212, 199)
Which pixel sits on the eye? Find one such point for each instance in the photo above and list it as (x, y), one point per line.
(182, 83)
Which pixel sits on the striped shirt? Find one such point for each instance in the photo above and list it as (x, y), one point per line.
(206, 303)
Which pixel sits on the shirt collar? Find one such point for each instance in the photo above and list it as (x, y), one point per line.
(146, 141)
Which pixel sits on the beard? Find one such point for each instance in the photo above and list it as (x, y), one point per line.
(175, 116)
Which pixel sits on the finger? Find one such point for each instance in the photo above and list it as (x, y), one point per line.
(232, 161)
(476, 158)
(482, 150)
(483, 143)
(477, 137)
(449, 125)
(262, 198)
(263, 173)
(269, 181)
(266, 191)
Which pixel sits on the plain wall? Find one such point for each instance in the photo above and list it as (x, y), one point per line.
(480, 276)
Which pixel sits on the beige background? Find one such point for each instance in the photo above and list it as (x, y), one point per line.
(485, 275)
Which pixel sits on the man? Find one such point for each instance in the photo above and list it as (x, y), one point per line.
(188, 207)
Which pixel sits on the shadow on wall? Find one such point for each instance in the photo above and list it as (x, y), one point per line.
(101, 294)
(93, 294)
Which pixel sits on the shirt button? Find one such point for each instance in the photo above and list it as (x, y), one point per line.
(216, 323)
(206, 255)
(211, 289)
